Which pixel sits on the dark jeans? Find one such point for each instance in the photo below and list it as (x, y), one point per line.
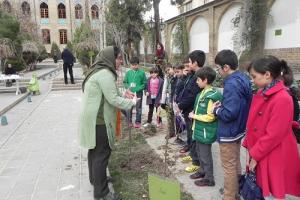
(206, 160)
(138, 108)
(150, 113)
(69, 67)
(98, 161)
(190, 142)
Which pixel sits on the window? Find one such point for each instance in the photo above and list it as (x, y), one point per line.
(25, 8)
(63, 36)
(44, 10)
(189, 6)
(95, 12)
(46, 36)
(78, 12)
(61, 11)
(6, 6)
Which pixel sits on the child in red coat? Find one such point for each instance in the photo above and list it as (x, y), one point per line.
(270, 141)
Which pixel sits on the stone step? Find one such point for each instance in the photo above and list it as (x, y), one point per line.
(63, 82)
(65, 88)
(58, 85)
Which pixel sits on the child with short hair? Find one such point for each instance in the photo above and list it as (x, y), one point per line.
(153, 93)
(232, 115)
(167, 97)
(135, 80)
(205, 125)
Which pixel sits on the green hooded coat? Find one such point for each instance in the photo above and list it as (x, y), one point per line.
(100, 99)
(33, 85)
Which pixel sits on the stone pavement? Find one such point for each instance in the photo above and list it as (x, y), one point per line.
(42, 160)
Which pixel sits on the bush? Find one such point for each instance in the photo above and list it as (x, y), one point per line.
(43, 54)
(55, 52)
(17, 63)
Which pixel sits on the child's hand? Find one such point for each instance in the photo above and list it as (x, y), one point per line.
(191, 115)
(252, 164)
(215, 105)
(147, 93)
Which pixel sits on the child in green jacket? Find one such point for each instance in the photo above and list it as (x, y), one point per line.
(135, 80)
(205, 125)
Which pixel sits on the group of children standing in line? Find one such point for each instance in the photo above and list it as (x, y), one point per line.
(265, 119)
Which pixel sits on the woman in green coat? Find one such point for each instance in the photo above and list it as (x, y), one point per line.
(101, 98)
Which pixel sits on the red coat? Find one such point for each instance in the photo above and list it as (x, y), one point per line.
(271, 142)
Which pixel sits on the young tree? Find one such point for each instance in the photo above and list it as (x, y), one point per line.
(55, 52)
(127, 18)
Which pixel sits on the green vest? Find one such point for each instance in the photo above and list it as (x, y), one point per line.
(205, 132)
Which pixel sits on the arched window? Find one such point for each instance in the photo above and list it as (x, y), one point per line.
(95, 12)
(46, 36)
(44, 10)
(25, 8)
(63, 36)
(61, 11)
(6, 6)
(78, 12)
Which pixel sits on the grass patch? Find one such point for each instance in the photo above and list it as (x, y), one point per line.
(130, 172)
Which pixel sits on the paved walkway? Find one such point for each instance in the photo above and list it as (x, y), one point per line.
(42, 159)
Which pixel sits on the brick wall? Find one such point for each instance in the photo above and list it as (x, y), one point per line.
(291, 55)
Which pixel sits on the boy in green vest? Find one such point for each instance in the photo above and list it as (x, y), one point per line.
(135, 80)
(205, 125)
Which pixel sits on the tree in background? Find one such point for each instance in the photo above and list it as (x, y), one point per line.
(251, 23)
(181, 40)
(30, 53)
(70, 47)
(85, 45)
(125, 19)
(55, 52)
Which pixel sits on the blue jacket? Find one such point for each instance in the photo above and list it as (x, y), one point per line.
(187, 97)
(233, 113)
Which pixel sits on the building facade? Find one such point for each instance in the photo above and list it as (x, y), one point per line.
(210, 28)
(58, 19)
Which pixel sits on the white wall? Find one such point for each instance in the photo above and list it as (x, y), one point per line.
(199, 35)
(226, 28)
(284, 15)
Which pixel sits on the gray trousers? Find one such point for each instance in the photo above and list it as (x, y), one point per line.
(205, 159)
(98, 161)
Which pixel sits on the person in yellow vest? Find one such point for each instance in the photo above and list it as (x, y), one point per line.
(34, 86)
(98, 118)
(205, 125)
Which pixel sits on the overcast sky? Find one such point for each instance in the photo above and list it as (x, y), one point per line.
(166, 11)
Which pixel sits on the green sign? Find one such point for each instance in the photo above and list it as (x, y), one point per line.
(278, 32)
(163, 189)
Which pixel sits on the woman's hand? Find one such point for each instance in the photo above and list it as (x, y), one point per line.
(191, 115)
(128, 94)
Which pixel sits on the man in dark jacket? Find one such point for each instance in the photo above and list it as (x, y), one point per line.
(232, 115)
(186, 102)
(68, 59)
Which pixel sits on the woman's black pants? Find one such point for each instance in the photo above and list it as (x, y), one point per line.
(98, 161)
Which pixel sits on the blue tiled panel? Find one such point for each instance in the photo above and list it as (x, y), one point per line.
(44, 21)
(78, 22)
(62, 21)
(60, 1)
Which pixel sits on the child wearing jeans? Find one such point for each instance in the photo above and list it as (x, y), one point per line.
(153, 93)
(205, 125)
